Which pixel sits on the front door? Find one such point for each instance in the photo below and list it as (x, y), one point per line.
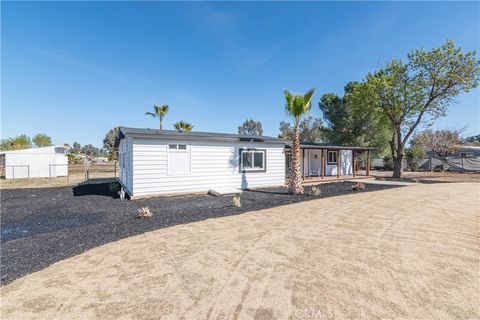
(315, 162)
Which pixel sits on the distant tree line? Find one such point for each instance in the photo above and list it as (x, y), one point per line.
(24, 142)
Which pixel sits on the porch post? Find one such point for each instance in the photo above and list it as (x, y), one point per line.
(368, 162)
(303, 164)
(323, 163)
(338, 164)
(353, 163)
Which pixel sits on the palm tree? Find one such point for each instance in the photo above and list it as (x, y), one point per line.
(159, 111)
(297, 106)
(183, 126)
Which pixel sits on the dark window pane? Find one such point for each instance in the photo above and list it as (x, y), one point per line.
(258, 160)
(247, 160)
(182, 147)
(172, 146)
(332, 157)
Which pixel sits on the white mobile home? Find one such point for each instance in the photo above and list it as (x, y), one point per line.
(155, 162)
(44, 162)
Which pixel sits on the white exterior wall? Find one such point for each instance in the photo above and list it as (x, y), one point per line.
(313, 165)
(212, 165)
(36, 163)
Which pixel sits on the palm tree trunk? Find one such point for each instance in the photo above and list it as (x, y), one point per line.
(161, 124)
(295, 182)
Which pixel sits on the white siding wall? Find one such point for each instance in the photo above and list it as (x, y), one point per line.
(36, 163)
(213, 165)
(345, 164)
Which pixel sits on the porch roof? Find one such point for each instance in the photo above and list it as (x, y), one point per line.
(311, 145)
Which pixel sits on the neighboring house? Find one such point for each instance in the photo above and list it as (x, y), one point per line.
(465, 158)
(100, 159)
(44, 162)
(154, 162)
(323, 159)
(461, 151)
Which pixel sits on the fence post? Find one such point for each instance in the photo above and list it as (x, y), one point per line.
(85, 168)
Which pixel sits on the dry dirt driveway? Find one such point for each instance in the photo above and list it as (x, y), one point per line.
(404, 253)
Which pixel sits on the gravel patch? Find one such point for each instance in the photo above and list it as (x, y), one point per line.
(42, 226)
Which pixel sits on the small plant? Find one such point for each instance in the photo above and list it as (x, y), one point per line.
(144, 212)
(358, 186)
(236, 201)
(315, 191)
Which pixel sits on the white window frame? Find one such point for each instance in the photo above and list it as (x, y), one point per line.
(242, 169)
(336, 157)
(185, 147)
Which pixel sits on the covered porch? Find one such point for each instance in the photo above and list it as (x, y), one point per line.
(326, 163)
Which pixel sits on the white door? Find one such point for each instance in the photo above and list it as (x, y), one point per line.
(315, 162)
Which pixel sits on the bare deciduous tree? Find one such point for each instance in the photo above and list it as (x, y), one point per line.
(441, 142)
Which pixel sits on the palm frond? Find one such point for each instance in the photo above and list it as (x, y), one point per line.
(298, 105)
(183, 126)
(161, 110)
(307, 97)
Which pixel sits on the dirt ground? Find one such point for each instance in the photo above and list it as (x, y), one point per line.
(404, 253)
(428, 176)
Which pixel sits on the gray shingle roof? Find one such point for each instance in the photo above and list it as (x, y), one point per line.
(311, 145)
(124, 131)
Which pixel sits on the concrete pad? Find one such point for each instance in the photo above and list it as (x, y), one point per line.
(224, 191)
(384, 182)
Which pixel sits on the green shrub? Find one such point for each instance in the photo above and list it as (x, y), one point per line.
(414, 157)
(74, 159)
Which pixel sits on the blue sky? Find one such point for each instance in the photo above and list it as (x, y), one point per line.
(73, 70)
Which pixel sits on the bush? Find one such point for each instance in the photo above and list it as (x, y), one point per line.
(414, 157)
(74, 159)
